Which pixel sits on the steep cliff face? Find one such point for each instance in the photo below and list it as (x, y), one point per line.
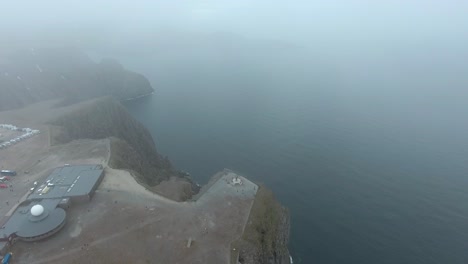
(132, 147)
(266, 235)
(28, 76)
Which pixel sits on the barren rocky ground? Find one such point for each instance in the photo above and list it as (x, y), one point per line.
(124, 222)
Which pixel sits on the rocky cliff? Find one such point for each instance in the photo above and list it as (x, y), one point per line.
(28, 76)
(266, 235)
(132, 147)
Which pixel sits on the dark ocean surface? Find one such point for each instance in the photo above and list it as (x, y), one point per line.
(370, 157)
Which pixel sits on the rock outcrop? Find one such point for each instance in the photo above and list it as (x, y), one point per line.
(29, 76)
(132, 147)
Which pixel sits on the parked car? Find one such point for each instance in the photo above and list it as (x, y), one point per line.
(8, 173)
(3, 186)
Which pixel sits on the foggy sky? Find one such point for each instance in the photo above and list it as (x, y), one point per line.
(374, 39)
(297, 21)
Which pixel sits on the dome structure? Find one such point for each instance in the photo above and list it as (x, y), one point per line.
(37, 210)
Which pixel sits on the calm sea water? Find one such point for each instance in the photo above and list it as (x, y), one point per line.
(371, 161)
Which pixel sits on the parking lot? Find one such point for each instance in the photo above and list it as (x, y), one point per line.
(33, 158)
(7, 135)
(22, 158)
(11, 135)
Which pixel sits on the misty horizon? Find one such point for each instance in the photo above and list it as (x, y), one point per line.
(351, 111)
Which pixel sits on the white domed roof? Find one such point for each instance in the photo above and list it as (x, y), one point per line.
(37, 210)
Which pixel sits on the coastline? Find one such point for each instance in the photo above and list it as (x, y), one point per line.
(137, 97)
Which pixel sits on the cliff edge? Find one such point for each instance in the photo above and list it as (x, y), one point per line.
(33, 75)
(131, 144)
(266, 235)
(70, 76)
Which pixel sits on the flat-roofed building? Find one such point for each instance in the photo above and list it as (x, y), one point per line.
(43, 214)
(78, 182)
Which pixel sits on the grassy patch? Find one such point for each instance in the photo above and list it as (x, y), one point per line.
(262, 226)
(259, 239)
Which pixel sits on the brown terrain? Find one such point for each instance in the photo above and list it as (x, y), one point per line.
(124, 222)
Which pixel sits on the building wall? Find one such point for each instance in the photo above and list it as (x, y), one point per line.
(80, 199)
(87, 197)
(46, 235)
(66, 205)
(91, 194)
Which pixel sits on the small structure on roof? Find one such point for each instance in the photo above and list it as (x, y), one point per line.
(37, 210)
(236, 181)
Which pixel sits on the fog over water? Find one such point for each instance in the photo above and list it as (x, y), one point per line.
(353, 112)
